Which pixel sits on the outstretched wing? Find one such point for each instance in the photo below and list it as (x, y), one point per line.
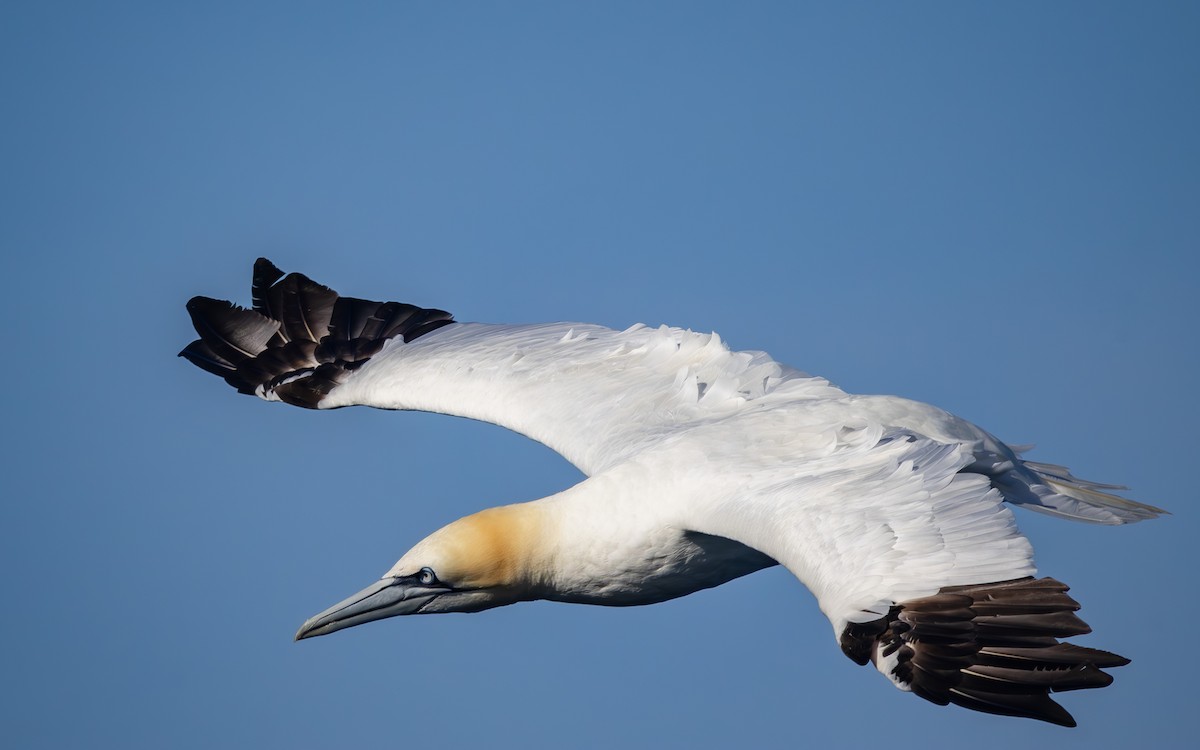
(914, 558)
(593, 394)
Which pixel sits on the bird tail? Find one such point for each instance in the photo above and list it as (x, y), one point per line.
(301, 339)
(1052, 489)
(991, 647)
(1091, 495)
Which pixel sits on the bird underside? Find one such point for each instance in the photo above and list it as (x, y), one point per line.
(992, 647)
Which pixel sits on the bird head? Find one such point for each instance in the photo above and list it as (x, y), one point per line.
(478, 562)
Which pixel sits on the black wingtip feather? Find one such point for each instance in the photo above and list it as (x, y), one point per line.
(301, 339)
(307, 307)
(203, 357)
(266, 273)
(991, 647)
(230, 332)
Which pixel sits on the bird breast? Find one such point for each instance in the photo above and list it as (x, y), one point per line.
(651, 567)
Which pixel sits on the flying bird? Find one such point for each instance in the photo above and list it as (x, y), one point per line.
(703, 465)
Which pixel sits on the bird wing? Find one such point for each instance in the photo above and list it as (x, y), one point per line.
(865, 515)
(912, 555)
(593, 394)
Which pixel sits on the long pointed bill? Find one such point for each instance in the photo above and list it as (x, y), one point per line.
(386, 598)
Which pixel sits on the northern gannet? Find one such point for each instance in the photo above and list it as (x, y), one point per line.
(704, 465)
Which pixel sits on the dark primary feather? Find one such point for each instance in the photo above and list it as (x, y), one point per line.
(231, 332)
(307, 307)
(990, 647)
(421, 323)
(199, 354)
(350, 319)
(301, 339)
(265, 274)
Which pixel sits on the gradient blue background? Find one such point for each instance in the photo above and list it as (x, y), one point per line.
(993, 208)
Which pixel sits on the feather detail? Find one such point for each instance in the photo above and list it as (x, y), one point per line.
(199, 354)
(1053, 490)
(307, 307)
(301, 339)
(230, 332)
(990, 647)
(265, 275)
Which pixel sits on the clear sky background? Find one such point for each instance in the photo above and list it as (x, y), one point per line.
(991, 207)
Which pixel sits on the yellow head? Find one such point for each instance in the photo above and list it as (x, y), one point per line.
(482, 561)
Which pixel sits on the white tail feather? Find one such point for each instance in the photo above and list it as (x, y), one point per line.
(1057, 492)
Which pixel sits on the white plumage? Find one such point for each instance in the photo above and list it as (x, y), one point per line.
(704, 464)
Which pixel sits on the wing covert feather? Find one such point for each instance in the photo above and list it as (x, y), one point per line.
(868, 518)
(593, 394)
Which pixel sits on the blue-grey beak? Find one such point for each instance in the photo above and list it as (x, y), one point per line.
(386, 598)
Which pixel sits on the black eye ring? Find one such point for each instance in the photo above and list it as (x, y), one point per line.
(427, 577)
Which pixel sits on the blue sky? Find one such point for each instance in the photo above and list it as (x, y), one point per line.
(989, 207)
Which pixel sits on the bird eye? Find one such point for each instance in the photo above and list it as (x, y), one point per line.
(427, 577)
